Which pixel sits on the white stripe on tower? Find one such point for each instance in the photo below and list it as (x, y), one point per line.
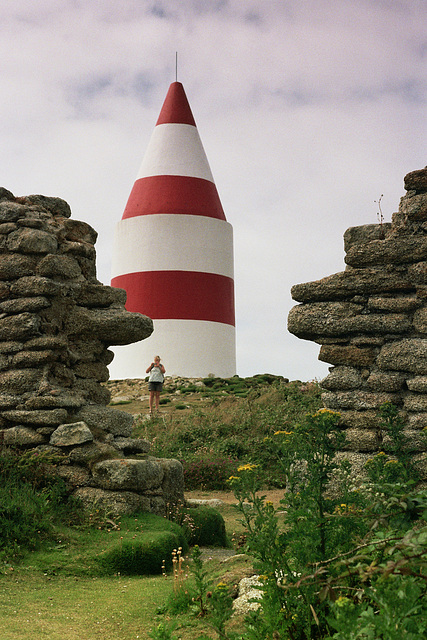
(141, 242)
(161, 158)
(173, 254)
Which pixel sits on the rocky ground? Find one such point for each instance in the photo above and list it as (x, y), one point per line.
(131, 395)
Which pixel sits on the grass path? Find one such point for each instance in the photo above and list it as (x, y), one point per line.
(34, 607)
(37, 607)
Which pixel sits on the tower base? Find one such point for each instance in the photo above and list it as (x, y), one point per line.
(188, 348)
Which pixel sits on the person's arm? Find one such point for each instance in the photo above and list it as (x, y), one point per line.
(162, 369)
(149, 368)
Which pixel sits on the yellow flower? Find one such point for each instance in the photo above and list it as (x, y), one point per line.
(221, 586)
(324, 410)
(247, 467)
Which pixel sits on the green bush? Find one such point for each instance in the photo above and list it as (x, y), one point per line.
(208, 528)
(146, 555)
(201, 525)
(208, 470)
(234, 448)
(230, 426)
(34, 467)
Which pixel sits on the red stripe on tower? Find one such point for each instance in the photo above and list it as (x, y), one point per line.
(184, 281)
(186, 295)
(174, 194)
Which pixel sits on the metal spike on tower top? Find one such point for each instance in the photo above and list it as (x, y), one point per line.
(173, 254)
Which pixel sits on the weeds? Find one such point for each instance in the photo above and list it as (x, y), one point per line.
(347, 567)
(201, 583)
(179, 574)
(33, 500)
(180, 514)
(197, 593)
(347, 563)
(211, 441)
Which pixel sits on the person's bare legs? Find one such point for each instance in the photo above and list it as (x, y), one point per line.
(150, 402)
(157, 400)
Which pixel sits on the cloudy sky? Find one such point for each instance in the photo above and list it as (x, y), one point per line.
(308, 110)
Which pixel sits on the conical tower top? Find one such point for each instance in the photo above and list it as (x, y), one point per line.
(175, 177)
(175, 107)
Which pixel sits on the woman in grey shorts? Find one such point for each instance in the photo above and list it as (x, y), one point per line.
(155, 381)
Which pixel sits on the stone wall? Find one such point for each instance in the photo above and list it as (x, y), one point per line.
(56, 324)
(371, 323)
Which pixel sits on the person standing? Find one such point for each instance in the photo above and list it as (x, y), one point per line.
(155, 382)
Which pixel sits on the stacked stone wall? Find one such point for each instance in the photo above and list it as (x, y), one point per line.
(371, 323)
(56, 324)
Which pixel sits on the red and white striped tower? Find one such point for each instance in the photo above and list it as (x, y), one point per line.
(173, 254)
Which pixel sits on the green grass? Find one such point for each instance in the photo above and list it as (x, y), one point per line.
(34, 606)
(81, 551)
(38, 607)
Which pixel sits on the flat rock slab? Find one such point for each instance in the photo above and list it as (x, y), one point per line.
(193, 502)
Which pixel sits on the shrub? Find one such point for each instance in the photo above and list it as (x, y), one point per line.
(146, 555)
(208, 382)
(208, 470)
(355, 562)
(234, 448)
(201, 525)
(34, 467)
(208, 529)
(231, 426)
